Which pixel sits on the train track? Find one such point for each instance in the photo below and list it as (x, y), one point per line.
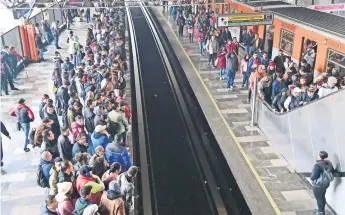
(182, 168)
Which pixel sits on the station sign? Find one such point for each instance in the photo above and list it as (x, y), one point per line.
(244, 19)
(21, 10)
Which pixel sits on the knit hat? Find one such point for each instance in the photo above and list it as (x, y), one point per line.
(271, 64)
(100, 128)
(64, 187)
(84, 171)
(21, 101)
(91, 210)
(111, 194)
(113, 185)
(132, 171)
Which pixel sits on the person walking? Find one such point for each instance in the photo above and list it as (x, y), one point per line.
(181, 21)
(24, 117)
(321, 177)
(55, 32)
(231, 68)
(221, 63)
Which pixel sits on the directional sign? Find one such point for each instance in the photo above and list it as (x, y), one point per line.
(244, 19)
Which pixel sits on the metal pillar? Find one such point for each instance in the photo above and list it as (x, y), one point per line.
(254, 103)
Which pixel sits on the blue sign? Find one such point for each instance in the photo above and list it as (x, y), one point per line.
(19, 13)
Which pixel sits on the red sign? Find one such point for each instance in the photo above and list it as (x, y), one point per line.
(328, 8)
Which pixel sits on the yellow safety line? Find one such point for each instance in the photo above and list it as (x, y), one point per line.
(257, 177)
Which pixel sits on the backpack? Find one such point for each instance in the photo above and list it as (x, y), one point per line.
(73, 86)
(326, 177)
(32, 137)
(112, 128)
(41, 180)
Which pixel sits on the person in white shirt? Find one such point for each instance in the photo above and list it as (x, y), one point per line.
(328, 88)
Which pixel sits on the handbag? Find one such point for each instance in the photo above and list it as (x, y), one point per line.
(18, 126)
(216, 62)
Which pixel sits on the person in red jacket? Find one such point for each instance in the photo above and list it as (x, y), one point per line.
(221, 63)
(78, 127)
(125, 108)
(85, 178)
(24, 117)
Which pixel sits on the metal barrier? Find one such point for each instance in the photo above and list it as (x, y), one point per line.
(12, 37)
(301, 133)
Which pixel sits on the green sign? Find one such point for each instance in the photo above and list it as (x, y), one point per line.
(244, 19)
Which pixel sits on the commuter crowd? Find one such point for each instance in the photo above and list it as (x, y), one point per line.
(83, 135)
(282, 83)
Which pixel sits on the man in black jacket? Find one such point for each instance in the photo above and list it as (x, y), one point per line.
(55, 127)
(7, 134)
(319, 190)
(89, 117)
(64, 145)
(63, 97)
(48, 144)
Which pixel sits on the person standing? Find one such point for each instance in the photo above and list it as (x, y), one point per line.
(63, 97)
(64, 145)
(117, 116)
(231, 69)
(279, 60)
(51, 206)
(24, 117)
(180, 23)
(7, 134)
(40, 47)
(55, 31)
(126, 182)
(321, 176)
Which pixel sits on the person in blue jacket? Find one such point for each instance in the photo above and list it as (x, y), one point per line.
(100, 137)
(46, 163)
(278, 85)
(117, 153)
(251, 61)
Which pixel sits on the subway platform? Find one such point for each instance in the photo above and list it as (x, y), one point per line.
(229, 115)
(20, 193)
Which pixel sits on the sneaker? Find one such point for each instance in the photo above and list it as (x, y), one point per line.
(2, 164)
(221, 78)
(14, 88)
(26, 150)
(231, 87)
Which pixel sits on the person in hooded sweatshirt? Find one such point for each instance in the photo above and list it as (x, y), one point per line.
(84, 200)
(100, 137)
(55, 127)
(64, 145)
(48, 144)
(89, 116)
(64, 198)
(24, 117)
(112, 202)
(46, 163)
(126, 182)
(115, 152)
(100, 115)
(86, 178)
(50, 207)
(91, 210)
(111, 174)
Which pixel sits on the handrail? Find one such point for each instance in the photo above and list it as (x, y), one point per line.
(297, 108)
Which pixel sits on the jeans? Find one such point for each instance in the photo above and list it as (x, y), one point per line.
(25, 127)
(230, 78)
(180, 31)
(64, 116)
(211, 57)
(245, 79)
(249, 49)
(201, 46)
(4, 83)
(320, 196)
(121, 138)
(222, 71)
(75, 61)
(56, 41)
(40, 53)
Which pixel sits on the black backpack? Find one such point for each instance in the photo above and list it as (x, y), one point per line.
(112, 128)
(41, 180)
(32, 137)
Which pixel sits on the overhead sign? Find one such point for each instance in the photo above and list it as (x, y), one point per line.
(328, 8)
(21, 10)
(244, 19)
(45, 16)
